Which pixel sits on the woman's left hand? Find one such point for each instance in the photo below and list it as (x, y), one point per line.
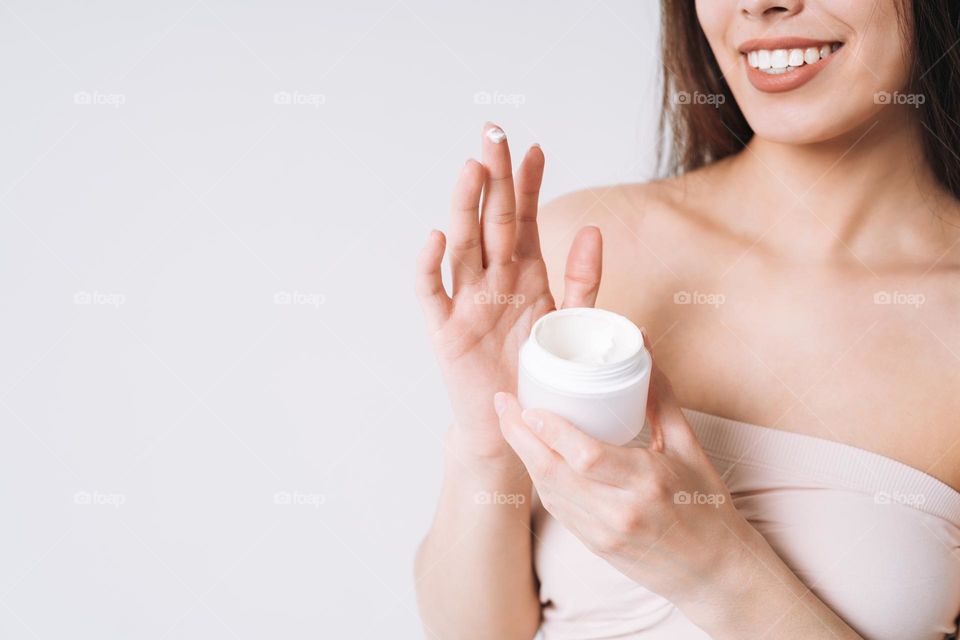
(659, 514)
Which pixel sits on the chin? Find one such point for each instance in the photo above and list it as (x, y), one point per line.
(801, 124)
(797, 90)
(838, 102)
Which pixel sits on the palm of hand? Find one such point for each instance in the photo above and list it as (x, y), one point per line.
(500, 285)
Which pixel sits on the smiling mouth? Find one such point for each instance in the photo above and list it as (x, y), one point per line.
(781, 61)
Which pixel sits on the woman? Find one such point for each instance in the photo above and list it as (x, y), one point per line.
(798, 281)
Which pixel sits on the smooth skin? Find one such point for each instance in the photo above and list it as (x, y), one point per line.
(474, 569)
(493, 253)
(792, 239)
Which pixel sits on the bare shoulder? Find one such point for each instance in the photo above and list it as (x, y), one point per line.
(644, 226)
(639, 211)
(621, 208)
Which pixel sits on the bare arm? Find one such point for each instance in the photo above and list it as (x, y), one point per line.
(474, 570)
(703, 556)
(757, 595)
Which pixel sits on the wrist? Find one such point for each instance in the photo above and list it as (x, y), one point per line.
(729, 582)
(747, 588)
(482, 463)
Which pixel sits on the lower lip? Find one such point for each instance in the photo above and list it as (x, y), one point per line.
(778, 83)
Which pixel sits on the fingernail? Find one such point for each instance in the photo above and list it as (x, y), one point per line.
(535, 144)
(499, 402)
(495, 135)
(532, 419)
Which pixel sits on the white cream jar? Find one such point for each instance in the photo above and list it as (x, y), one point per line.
(590, 367)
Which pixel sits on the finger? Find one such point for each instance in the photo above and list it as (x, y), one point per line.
(529, 177)
(466, 258)
(566, 495)
(574, 507)
(541, 461)
(581, 281)
(499, 210)
(587, 456)
(429, 283)
(669, 427)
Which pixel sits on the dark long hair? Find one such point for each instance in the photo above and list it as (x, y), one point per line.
(693, 135)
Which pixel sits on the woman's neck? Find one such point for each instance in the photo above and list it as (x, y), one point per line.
(868, 196)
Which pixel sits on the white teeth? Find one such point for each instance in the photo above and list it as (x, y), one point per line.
(777, 61)
(763, 59)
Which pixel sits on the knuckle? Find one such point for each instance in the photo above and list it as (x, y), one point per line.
(581, 277)
(587, 459)
(543, 469)
(626, 521)
(529, 191)
(653, 490)
(502, 217)
(469, 243)
(608, 541)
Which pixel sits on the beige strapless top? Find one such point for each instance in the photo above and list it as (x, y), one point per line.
(878, 541)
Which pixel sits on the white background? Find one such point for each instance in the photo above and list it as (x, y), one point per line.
(154, 397)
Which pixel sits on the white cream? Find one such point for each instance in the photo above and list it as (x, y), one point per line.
(583, 336)
(589, 366)
(495, 135)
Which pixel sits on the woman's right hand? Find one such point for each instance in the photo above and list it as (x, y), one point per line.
(499, 286)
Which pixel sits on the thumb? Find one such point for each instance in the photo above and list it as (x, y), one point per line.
(669, 427)
(581, 280)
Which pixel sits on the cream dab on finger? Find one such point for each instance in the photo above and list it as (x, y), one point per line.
(495, 135)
